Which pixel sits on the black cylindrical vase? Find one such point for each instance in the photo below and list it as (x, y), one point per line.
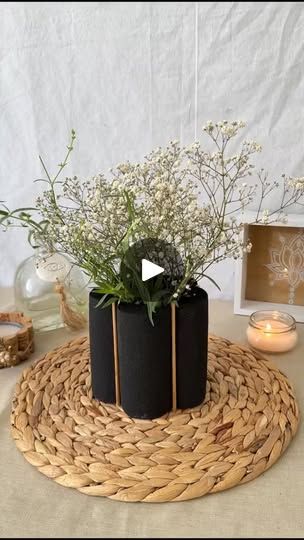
(191, 349)
(101, 350)
(145, 355)
(144, 361)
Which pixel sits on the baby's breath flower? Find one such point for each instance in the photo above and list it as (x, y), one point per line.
(185, 195)
(265, 216)
(296, 182)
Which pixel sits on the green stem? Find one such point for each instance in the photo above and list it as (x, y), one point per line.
(52, 182)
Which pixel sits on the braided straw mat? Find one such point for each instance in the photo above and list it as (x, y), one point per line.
(246, 422)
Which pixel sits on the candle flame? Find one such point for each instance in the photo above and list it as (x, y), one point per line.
(268, 327)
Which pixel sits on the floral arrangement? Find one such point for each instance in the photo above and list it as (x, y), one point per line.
(189, 196)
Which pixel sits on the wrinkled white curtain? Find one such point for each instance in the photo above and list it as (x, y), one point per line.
(130, 76)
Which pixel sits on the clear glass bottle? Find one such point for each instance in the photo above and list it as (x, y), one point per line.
(35, 289)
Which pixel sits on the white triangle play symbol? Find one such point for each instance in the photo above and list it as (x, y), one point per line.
(149, 270)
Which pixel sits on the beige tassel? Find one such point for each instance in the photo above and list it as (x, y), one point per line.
(74, 320)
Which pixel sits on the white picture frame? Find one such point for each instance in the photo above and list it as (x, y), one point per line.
(243, 306)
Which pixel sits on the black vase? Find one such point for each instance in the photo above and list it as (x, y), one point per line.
(101, 350)
(192, 349)
(145, 355)
(144, 361)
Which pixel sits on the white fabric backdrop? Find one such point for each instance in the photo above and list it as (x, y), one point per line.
(130, 76)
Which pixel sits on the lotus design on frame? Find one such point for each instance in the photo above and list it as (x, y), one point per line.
(287, 263)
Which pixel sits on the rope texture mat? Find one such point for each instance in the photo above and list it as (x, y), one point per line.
(246, 422)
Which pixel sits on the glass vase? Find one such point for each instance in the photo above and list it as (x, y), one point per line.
(35, 289)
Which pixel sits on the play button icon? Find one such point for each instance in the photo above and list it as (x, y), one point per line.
(150, 270)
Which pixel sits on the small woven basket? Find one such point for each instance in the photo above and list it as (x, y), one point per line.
(18, 347)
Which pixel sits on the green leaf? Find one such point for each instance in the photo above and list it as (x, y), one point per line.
(26, 208)
(158, 295)
(109, 302)
(101, 301)
(105, 288)
(212, 281)
(151, 309)
(130, 206)
(158, 283)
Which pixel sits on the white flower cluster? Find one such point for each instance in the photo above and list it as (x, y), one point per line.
(188, 196)
(297, 183)
(227, 129)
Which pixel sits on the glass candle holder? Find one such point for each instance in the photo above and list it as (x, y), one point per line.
(272, 331)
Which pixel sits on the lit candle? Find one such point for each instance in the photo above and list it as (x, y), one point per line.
(8, 329)
(272, 331)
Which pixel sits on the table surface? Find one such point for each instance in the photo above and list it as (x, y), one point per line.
(33, 506)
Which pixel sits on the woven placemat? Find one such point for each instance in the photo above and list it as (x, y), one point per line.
(246, 422)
